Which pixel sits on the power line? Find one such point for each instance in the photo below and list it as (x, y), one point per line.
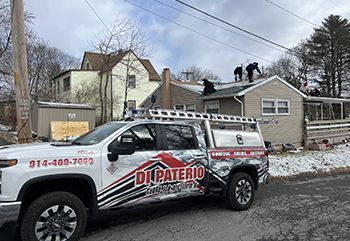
(96, 14)
(216, 25)
(197, 32)
(234, 26)
(291, 13)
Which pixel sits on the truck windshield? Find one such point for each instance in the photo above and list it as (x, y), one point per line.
(98, 134)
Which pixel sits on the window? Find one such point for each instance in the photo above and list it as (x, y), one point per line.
(131, 105)
(179, 107)
(98, 134)
(66, 84)
(58, 87)
(283, 106)
(145, 137)
(131, 81)
(269, 107)
(87, 66)
(182, 107)
(212, 107)
(191, 107)
(275, 107)
(179, 137)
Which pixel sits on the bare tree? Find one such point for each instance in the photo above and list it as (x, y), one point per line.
(44, 61)
(196, 73)
(121, 43)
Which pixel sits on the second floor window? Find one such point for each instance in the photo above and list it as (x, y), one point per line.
(66, 84)
(58, 87)
(131, 81)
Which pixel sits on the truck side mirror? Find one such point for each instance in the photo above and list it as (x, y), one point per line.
(125, 146)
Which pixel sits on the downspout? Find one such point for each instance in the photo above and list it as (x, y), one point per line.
(242, 110)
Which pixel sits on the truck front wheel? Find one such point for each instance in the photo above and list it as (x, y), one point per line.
(241, 191)
(54, 216)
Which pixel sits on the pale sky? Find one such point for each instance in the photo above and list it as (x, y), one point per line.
(71, 26)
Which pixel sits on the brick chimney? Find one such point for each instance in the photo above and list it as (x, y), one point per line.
(166, 92)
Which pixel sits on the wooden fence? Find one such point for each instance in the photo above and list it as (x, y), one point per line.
(335, 131)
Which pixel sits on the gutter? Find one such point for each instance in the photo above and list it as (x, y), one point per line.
(242, 110)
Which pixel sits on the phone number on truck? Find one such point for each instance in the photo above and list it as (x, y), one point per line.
(61, 162)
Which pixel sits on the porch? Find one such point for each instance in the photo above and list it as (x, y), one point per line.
(326, 120)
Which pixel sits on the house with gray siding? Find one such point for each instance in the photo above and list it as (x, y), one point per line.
(268, 98)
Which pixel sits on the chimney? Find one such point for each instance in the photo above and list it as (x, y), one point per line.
(166, 92)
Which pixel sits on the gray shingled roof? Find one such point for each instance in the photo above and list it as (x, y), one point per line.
(229, 91)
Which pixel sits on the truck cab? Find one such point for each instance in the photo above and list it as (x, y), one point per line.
(50, 188)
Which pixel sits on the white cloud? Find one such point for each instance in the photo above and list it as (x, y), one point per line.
(70, 25)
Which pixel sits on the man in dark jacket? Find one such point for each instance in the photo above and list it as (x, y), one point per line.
(238, 71)
(208, 87)
(250, 69)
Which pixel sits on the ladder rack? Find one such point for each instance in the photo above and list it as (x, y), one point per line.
(196, 116)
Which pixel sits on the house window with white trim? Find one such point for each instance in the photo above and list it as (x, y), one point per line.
(179, 107)
(183, 107)
(131, 81)
(275, 106)
(212, 107)
(191, 107)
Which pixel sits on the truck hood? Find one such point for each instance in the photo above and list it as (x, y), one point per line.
(21, 151)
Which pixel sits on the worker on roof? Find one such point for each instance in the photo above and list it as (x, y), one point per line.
(238, 72)
(208, 87)
(250, 69)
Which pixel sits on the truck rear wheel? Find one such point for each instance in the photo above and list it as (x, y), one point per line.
(241, 191)
(54, 216)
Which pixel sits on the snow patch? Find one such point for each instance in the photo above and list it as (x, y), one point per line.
(283, 165)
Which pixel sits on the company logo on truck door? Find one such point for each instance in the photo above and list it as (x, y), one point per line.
(169, 175)
(153, 179)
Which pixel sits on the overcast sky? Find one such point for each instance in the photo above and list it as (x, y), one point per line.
(72, 26)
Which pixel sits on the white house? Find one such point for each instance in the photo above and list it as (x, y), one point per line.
(126, 80)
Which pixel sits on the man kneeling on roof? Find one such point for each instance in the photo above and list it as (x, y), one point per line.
(208, 87)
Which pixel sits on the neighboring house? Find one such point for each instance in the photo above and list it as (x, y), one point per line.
(269, 98)
(125, 73)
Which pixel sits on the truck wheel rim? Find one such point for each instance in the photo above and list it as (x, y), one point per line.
(243, 192)
(56, 223)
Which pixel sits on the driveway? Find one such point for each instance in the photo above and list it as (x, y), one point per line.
(313, 209)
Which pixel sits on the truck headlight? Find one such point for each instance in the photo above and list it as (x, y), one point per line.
(8, 163)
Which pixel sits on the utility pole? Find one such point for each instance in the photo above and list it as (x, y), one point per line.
(20, 72)
(187, 73)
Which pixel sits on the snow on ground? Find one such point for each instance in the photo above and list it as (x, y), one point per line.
(282, 165)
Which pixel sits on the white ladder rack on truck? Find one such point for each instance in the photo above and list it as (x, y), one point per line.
(207, 118)
(183, 115)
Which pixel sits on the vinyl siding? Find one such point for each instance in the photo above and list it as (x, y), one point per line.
(289, 128)
(178, 96)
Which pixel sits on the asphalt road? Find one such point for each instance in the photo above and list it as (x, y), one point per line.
(313, 209)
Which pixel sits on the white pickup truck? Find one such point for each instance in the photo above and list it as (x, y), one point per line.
(47, 190)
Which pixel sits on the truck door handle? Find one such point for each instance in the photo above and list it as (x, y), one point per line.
(200, 156)
(155, 159)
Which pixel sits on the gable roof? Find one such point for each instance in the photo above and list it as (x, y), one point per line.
(153, 75)
(96, 61)
(240, 89)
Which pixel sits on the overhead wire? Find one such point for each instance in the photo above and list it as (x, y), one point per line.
(216, 25)
(96, 14)
(234, 26)
(291, 13)
(197, 32)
